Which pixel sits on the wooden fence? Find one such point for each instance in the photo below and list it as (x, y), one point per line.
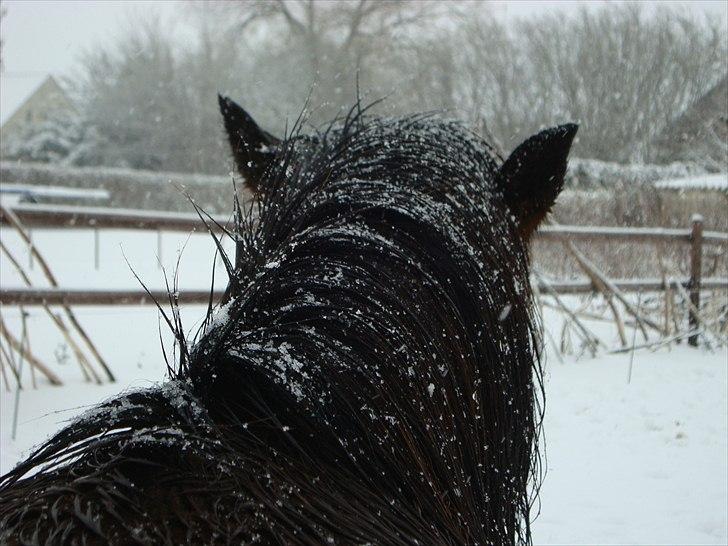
(53, 216)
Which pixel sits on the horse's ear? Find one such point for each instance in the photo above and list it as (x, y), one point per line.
(533, 176)
(253, 148)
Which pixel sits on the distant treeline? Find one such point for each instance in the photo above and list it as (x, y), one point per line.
(624, 72)
(161, 190)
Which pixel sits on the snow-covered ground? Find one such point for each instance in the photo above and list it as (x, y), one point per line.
(644, 462)
(638, 463)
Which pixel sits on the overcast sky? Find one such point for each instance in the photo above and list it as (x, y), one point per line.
(47, 37)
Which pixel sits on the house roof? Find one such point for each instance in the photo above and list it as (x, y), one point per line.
(15, 89)
(706, 107)
(699, 133)
(18, 92)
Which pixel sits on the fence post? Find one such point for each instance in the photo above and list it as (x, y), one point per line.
(30, 244)
(96, 248)
(159, 249)
(696, 260)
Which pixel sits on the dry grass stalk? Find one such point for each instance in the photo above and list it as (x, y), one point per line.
(3, 372)
(15, 222)
(608, 285)
(592, 341)
(84, 364)
(707, 326)
(25, 352)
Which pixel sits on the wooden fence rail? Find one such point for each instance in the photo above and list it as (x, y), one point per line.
(131, 297)
(54, 216)
(59, 216)
(88, 297)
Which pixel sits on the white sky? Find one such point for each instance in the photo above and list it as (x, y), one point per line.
(47, 37)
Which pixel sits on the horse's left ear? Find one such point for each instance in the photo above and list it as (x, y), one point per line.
(253, 148)
(533, 176)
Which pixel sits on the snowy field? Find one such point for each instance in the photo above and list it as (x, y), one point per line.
(644, 462)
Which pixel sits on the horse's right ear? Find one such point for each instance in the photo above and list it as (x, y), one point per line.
(533, 175)
(253, 148)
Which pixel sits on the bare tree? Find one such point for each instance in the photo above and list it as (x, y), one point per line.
(324, 47)
(623, 75)
(152, 105)
(3, 14)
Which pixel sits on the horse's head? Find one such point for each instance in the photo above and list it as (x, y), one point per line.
(385, 293)
(529, 181)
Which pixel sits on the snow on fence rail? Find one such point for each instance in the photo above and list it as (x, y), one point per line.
(30, 194)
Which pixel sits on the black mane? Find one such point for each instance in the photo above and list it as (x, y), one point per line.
(372, 376)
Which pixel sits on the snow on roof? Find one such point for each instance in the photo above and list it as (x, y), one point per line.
(37, 191)
(702, 182)
(130, 188)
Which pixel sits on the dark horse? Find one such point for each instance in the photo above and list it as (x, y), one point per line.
(372, 375)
